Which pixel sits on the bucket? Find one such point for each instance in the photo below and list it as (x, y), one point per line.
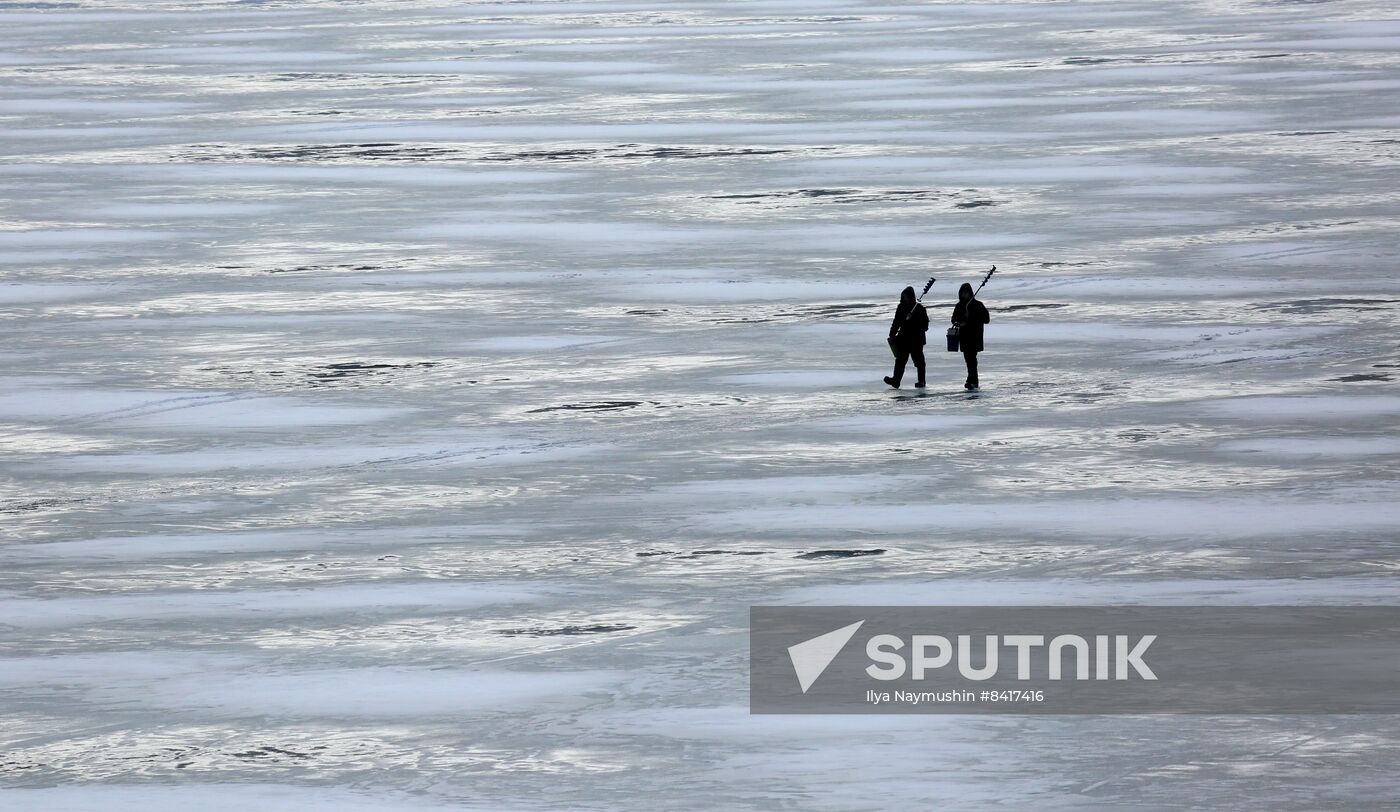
(894, 350)
(952, 339)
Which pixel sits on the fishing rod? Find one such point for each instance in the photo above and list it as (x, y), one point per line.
(920, 300)
(931, 280)
(984, 281)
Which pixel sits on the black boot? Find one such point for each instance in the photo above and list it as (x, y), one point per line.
(891, 382)
(920, 382)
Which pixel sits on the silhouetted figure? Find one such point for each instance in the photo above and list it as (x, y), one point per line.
(968, 316)
(907, 337)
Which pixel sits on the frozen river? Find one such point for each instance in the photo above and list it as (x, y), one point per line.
(401, 403)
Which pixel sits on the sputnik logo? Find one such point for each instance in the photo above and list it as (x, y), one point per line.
(811, 657)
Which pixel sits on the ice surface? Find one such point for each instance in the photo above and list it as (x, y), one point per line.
(214, 797)
(131, 548)
(215, 412)
(250, 604)
(1078, 591)
(182, 209)
(238, 686)
(402, 403)
(1202, 520)
(1318, 448)
(24, 293)
(1320, 408)
(447, 451)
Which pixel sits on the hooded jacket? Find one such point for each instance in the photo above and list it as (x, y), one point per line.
(969, 316)
(910, 321)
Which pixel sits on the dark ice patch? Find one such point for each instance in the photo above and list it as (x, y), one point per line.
(1090, 61)
(1327, 304)
(437, 153)
(804, 313)
(341, 373)
(831, 312)
(630, 153)
(351, 368)
(1036, 306)
(268, 752)
(650, 405)
(346, 266)
(633, 151)
(319, 153)
(591, 406)
(837, 555)
(579, 154)
(566, 631)
(1362, 376)
(954, 198)
(324, 80)
(330, 373)
(698, 553)
(841, 309)
(35, 505)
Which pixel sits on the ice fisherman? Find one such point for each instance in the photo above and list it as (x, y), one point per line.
(968, 316)
(907, 335)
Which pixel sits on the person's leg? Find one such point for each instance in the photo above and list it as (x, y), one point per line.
(918, 353)
(971, 358)
(900, 359)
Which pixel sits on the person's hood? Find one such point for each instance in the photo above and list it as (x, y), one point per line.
(966, 286)
(908, 295)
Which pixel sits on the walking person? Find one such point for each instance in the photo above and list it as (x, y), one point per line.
(907, 336)
(968, 316)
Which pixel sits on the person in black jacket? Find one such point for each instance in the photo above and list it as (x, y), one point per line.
(968, 316)
(907, 337)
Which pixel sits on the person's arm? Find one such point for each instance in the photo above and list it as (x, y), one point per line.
(954, 319)
(894, 325)
(986, 314)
